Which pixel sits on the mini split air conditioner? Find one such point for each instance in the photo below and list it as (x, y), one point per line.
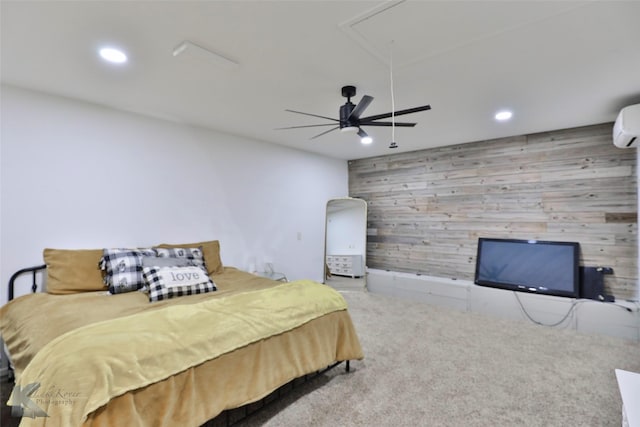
(626, 129)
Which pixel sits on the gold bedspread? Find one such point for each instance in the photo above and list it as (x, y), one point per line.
(52, 315)
(161, 361)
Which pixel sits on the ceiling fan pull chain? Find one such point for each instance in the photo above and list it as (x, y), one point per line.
(393, 102)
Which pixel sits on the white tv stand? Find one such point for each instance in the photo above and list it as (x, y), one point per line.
(620, 319)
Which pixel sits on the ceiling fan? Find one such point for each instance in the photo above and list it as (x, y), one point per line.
(350, 120)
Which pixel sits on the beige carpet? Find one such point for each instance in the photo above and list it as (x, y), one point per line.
(343, 283)
(431, 366)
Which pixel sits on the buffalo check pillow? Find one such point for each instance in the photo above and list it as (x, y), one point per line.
(194, 255)
(169, 282)
(123, 269)
(156, 261)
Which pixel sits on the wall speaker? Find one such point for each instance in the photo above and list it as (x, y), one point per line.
(592, 283)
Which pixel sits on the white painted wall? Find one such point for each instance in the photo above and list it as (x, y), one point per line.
(78, 175)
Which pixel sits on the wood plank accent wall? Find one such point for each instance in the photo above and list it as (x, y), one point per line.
(427, 208)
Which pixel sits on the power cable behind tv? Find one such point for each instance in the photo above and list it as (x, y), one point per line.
(524, 310)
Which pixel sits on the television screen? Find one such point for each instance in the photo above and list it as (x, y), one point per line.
(529, 265)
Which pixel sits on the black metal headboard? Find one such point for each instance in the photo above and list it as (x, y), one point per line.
(33, 271)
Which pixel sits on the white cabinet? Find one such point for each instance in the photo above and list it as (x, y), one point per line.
(345, 265)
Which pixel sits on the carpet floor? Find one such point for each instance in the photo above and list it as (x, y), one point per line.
(432, 366)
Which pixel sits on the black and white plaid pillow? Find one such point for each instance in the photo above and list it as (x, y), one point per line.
(169, 282)
(156, 261)
(194, 255)
(123, 269)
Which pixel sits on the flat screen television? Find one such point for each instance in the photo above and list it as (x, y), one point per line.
(529, 266)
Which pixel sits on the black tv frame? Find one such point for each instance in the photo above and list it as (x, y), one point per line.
(574, 293)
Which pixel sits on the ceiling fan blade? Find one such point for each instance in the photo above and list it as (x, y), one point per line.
(401, 125)
(312, 115)
(325, 132)
(397, 113)
(306, 126)
(362, 105)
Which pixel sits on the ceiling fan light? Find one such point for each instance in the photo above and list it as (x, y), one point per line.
(364, 138)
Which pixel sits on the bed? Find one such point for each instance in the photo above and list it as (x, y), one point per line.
(93, 358)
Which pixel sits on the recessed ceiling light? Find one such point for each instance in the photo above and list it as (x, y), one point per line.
(113, 55)
(504, 115)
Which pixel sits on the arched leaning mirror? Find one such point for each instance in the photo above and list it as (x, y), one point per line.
(345, 248)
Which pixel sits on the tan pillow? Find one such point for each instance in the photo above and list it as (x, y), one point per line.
(210, 250)
(73, 270)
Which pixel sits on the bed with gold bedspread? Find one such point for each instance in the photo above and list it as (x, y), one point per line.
(101, 359)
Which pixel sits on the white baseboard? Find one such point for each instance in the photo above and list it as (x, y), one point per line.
(620, 319)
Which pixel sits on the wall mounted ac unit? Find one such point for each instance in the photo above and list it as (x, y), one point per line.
(626, 129)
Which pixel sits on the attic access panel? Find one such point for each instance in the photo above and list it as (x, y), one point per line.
(420, 30)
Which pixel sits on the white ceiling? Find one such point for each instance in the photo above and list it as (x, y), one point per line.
(556, 64)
